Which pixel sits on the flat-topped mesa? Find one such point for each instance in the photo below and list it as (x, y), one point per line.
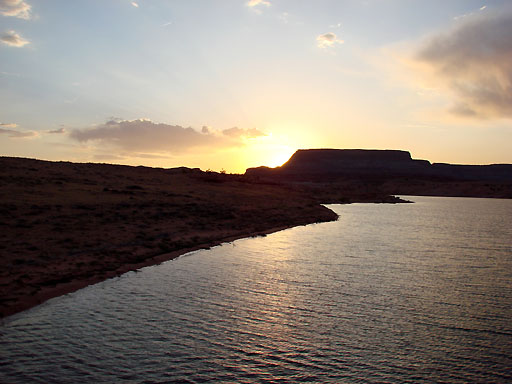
(350, 155)
(330, 164)
(338, 160)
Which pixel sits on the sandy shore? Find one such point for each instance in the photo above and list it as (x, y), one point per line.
(65, 226)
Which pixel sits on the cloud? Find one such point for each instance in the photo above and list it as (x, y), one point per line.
(15, 134)
(146, 156)
(327, 40)
(58, 131)
(463, 16)
(143, 135)
(149, 137)
(109, 156)
(245, 133)
(255, 3)
(473, 62)
(13, 39)
(15, 8)
(8, 125)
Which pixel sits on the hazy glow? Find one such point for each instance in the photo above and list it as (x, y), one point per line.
(264, 77)
(281, 156)
(269, 151)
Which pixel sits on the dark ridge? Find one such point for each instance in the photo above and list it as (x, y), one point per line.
(326, 163)
(396, 168)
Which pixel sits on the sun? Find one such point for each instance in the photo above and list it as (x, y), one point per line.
(279, 158)
(269, 150)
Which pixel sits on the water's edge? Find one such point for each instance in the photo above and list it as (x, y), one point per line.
(412, 293)
(62, 289)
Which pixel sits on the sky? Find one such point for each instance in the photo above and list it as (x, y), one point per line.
(232, 84)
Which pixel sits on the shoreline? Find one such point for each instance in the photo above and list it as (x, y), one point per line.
(68, 225)
(63, 289)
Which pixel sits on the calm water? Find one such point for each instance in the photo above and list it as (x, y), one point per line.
(388, 294)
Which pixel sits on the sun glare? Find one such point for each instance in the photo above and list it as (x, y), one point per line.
(279, 158)
(269, 151)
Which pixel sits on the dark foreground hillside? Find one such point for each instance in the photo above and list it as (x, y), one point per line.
(65, 225)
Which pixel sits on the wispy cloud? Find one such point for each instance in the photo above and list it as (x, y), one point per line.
(58, 131)
(13, 39)
(8, 125)
(473, 62)
(469, 14)
(14, 133)
(255, 3)
(15, 8)
(327, 40)
(123, 156)
(149, 137)
(240, 132)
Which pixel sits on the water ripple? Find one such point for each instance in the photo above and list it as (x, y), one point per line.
(415, 293)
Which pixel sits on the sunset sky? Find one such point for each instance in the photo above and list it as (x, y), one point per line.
(231, 84)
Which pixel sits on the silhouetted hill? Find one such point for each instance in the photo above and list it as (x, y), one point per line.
(329, 163)
(394, 169)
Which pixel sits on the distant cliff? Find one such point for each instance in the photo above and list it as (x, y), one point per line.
(331, 164)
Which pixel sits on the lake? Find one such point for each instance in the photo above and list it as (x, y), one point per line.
(404, 293)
